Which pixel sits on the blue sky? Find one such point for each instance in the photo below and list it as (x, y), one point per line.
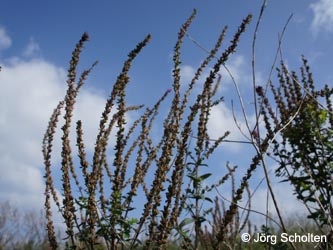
(37, 37)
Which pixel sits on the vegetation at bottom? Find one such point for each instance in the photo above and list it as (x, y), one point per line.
(140, 190)
(22, 230)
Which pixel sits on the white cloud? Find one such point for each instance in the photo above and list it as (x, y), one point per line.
(187, 73)
(222, 120)
(323, 16)
(30, 90)
(5, 41)
(32, 49)
(237, 66)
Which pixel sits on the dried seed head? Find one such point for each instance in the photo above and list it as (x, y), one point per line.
(259, 90)
(85, 37)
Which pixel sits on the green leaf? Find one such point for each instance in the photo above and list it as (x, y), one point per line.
(209, 199)
(204, 176)
(185, 222)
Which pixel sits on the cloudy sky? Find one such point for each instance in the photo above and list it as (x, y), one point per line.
(37, 37)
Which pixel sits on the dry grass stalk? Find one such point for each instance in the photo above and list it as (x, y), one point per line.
(97, 217)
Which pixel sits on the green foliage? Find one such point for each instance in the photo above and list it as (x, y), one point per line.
(22, 230)
(303, 144)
